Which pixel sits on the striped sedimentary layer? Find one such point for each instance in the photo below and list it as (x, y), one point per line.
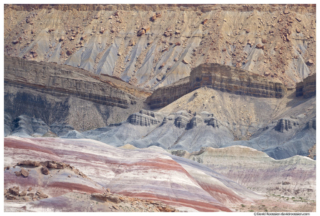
(49, 78)
(64, 94)
(143, 173)
(220, 77)
(293, 177)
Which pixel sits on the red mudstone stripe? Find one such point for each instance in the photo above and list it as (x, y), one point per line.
(219, 194)
(21, 144)
(74, 187)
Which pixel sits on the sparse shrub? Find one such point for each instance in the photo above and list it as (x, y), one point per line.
(243, 206)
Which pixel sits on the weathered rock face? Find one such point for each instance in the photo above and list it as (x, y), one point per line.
(165, 95)
(307, 88)
(213, 122)
(312, 124)
(55, 78)
(143, 118)
(225, 34)
(285, 125)
(195, 121)
(220, 77)
(63, 95)
(234, 80)
(181, 121)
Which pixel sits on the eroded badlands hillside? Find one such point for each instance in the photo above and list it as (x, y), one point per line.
(155, 45)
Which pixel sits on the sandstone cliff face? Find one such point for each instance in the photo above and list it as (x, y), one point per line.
(219, 77)
(307, 88)
(62, 94)
(54, 78)
(156, 45)
(285, 125)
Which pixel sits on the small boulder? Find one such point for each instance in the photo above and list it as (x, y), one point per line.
(159, 78)
(141, 32)
(41, 195)
(24, 173)
(14, 190)
(30, 195)
(167, 34)
(30, 188)
(286, 11)
(45, 171)
(309, 62)
(259, 46)
(204, 21)
(52, 165)
(153, 18)
(11, 197)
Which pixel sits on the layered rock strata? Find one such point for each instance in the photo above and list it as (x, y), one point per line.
(53, 78)
(139, 173)
(61, 94)
(293, 177)
(220, 77)
(307, 88)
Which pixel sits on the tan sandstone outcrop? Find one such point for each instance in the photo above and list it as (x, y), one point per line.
(219, 77)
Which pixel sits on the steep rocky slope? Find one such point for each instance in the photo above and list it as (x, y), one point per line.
(292, 177)
(58, 166)
(156, 45)
(59, 94)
